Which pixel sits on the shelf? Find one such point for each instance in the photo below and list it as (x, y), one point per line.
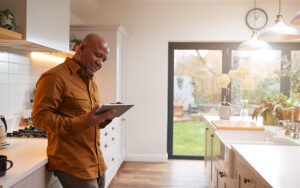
(6, 34)
(24, 46)
(10, 40)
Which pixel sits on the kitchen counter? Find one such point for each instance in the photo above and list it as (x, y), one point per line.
(277, 165)
(27, 154)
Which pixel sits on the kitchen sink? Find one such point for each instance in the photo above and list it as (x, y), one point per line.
(253, 137)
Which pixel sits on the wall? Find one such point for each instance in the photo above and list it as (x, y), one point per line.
(18, 75)
(152, 26)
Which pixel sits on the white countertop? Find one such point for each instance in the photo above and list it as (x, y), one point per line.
(27, 154)
(277, 165)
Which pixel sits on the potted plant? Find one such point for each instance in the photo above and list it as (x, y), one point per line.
(270, 108)
(7, 20)
(179, 100)
(76, 43)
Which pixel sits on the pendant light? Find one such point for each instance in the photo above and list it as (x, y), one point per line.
(279, 31)
(254, 43)
(296, 19)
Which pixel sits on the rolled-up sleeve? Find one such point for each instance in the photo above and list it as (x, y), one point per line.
(47, 100)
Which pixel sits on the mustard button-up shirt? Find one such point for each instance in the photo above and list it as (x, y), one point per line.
(63, 97)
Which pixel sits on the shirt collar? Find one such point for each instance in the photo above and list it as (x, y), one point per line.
(73, 65)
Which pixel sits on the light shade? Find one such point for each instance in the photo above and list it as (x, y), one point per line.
(254, 44)
(279, 31)
(296, 19)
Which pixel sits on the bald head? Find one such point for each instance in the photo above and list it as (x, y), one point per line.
(92, 53)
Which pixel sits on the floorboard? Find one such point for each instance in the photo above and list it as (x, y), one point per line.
(172, 174)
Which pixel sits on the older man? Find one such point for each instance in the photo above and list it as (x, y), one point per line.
(65, 102)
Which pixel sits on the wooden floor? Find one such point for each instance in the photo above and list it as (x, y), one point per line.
(172, 174)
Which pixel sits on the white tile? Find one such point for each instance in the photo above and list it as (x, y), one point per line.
(26, 79)
(12, 89)
(3, 67)
(16, 110)
(3, 90)
(18, 68)
(3, 79)
(19, 59)
(4, 101)
(4, 111)
(13, 68)
(13, 79)
(4, 56)
(12, 100)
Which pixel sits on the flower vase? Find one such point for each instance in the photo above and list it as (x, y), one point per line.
(244, 110)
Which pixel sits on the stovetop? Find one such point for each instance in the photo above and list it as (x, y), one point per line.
(28, 132)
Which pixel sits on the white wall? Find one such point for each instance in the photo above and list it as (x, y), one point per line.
(18, 75)
(152, 26)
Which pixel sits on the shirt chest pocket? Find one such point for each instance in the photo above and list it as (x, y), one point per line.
(77, 102)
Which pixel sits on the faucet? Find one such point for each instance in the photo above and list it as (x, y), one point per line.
(294, 125)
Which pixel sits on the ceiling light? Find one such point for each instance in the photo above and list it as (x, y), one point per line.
(296, 19)
(254, 44)
(279, 31)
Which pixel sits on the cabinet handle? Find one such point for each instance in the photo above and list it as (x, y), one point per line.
(105, 146)
(123, 119)
(112, 159)
(246, 180)
(113, 128)
(222, 174)
(112, 138)
(206, 128)
(212, 135)
(105, 134)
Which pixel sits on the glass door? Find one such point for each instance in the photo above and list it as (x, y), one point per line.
(194, 91)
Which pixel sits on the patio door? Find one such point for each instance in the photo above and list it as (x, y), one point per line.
(194, 71)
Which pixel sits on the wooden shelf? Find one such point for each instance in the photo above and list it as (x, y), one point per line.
(10, 40)
(6, 34)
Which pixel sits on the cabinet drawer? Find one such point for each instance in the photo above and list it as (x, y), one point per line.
(41, 178)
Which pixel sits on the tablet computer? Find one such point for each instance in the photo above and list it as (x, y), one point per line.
(119, 108)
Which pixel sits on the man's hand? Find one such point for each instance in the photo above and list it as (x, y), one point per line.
(92, 119)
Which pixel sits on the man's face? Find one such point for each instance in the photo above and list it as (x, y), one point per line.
(93, 57)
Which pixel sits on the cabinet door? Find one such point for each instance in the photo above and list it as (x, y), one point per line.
(244, 179)
(209, 138)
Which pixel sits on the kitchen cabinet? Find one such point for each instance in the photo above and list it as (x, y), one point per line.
(245, 177)
(218, 160)
(45, 25)
(208, 155)
(40, 178)
(111, 81)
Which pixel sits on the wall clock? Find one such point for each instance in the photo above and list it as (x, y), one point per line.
(256, 19)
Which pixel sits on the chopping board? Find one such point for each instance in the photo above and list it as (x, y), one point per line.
(236, 125)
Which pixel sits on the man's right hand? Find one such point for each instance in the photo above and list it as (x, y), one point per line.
(92, 119)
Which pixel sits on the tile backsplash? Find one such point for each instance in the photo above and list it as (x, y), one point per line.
(18, 76)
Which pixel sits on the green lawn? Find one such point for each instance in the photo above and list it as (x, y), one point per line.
(188, 138)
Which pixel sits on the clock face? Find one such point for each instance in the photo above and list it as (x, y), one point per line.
(256, 19)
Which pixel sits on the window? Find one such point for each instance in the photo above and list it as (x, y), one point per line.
(194, 81)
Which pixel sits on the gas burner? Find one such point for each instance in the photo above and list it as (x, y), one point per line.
(28, 132)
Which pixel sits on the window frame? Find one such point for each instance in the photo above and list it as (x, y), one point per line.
(227, 48)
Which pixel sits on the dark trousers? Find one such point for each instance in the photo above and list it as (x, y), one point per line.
(69, 181)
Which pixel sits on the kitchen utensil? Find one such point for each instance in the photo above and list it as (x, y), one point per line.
(3, 165)
(3, 130)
